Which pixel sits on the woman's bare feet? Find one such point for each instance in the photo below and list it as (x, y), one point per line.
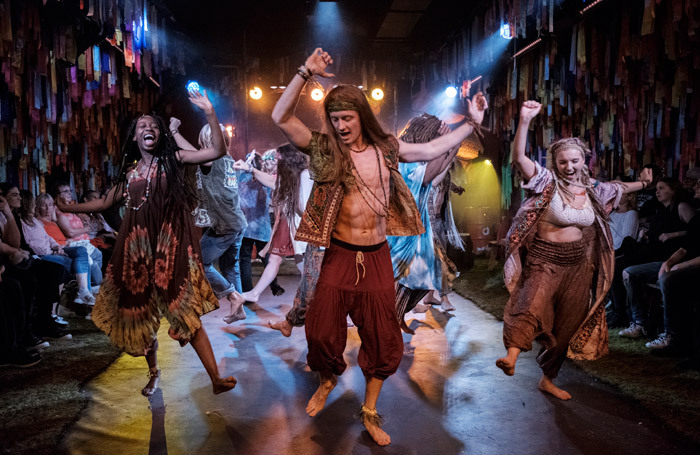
(221, 385)
(318, 400)
(507, 363)
(153, 380)
(405, 327)
(283, 326)
(237, 310)
(372, 422)
(430, 299)
(546, 385)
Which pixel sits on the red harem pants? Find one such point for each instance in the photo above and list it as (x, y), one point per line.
(359, 281)
(551, 301)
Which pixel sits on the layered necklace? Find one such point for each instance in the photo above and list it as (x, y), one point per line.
(384, 204)
(134, 175)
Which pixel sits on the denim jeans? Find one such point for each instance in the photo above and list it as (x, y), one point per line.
(75, 260)
(636, 279)
(96, 267)
(679, 293)
(246, 259)
(225, 248)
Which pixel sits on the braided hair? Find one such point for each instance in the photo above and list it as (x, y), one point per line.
(180, 192)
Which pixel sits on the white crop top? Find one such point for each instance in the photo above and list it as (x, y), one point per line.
(563, 215)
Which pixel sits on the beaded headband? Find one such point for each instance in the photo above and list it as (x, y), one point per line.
(335, 106)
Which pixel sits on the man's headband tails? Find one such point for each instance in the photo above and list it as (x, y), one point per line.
(335, 106)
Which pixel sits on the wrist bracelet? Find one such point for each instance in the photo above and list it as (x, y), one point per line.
(174, 132)
(304, 72)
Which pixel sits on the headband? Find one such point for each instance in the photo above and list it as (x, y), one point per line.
(335, 106)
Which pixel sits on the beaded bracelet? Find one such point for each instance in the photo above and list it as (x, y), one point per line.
(303, 74)
(174, 132)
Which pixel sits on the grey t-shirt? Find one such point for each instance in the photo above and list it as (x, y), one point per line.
(218, 191)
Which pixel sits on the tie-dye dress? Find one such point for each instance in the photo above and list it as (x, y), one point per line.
(155, 271)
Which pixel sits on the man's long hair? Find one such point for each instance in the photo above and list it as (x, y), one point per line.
(290, 164)
(372, 131)
(180, 193)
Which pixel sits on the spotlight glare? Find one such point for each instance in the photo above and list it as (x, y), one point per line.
(273, 87)
(360, 87)
(317, 94)
(229, 130)
(451, 92)
(256, 93)
(192, 86)
(377, 94)
(505, 31)
(488, 162)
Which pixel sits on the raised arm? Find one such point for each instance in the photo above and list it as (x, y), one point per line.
(441, 145)
(437, 168)
(179, 138)
(269, 180)
(192, 156)
(528, 111)
(298, 134)
(10, 234)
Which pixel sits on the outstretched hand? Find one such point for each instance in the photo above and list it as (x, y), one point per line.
(529, 110)
(318, 61)
(444, 129)
(201, 100)
(477, 107)
(241, 165)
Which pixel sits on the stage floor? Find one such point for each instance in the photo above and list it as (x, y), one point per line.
(448, 397)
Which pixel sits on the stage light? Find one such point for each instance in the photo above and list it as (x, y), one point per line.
(273, 87)
(256, 93)
(451, 92)
(192, 86)
(317, 94)
(528, 47)
(584, 10)
(377, 94)
(360, 87)
(505, 31)
(229, 130)
(488, 162)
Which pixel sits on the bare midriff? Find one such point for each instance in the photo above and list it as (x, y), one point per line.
(554, 233)
(357, 224)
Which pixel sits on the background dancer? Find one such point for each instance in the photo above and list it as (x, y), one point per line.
(416, 265)
(358, 198)
(563, 226)
(292, 187)
(156, 269)
(221, 212)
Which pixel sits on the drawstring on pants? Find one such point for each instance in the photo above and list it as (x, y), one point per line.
(359, 261)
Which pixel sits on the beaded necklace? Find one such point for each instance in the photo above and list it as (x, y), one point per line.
(135, 175)
(385, 204)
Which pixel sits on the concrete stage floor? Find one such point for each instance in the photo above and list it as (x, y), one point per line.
(448, 397)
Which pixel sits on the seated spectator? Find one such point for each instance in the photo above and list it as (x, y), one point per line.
(71, 228)
(40, 300)
(13, 351)
(74, 259)
(657, 243)
(102, 236)
(624, 220)
(647, 203)
(676, 277)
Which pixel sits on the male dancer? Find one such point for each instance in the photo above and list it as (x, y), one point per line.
(358, 198)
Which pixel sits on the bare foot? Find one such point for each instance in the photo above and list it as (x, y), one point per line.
(406, 328)
(237, 311)
(546, 385)
(282, 326)
(153, 381)
(249, 297)
(372, 425)
(506, 365)
(430, 299)
(318, 400)
(446, 305)
(223, 384)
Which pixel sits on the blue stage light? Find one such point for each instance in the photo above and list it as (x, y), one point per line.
(451, 92)
(192, 86)
(505, 31)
